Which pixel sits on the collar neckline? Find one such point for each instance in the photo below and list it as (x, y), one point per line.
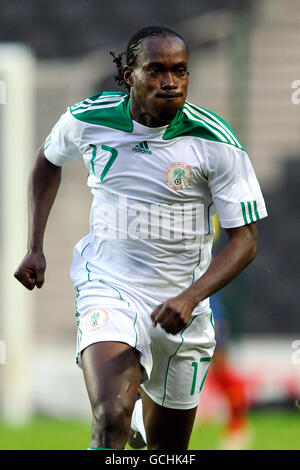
(149, 130)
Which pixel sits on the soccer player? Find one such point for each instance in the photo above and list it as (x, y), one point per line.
(159, 167)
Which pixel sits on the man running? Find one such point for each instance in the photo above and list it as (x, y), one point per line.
(159, 168)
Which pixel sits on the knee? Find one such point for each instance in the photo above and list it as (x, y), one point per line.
(110, 417)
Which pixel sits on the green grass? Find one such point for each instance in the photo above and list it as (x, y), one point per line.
(272, 431)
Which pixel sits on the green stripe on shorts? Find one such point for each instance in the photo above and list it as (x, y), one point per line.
(171, 357)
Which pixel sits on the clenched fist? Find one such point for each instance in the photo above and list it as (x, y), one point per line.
(174, 314)
(32, 269)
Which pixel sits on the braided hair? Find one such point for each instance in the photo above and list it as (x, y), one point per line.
(134, 47)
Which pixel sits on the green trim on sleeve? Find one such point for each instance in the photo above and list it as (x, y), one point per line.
(250, 211)
(244, 213)
(255, 210)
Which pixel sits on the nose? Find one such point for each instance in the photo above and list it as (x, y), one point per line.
(168, 82)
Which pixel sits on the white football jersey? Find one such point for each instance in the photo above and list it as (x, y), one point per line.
(155, 192)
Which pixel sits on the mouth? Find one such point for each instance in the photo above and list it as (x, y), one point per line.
(168, 96)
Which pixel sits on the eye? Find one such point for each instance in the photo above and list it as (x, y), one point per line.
(153, 71)
(180, 71)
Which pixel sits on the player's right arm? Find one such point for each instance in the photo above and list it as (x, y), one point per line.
(61, 146)
(43, 186)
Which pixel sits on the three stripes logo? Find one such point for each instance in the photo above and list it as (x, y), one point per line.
(142, 148)
(250, 212)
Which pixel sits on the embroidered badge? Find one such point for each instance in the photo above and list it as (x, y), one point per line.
(178, 176)
(97, 317)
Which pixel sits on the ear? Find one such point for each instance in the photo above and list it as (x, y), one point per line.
(128, 75)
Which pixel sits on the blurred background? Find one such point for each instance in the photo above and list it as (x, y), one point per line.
(244, 66)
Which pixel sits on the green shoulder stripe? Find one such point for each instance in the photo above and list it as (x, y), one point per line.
(98, 99)
(194, 121)
(110, 109)
(219, 122)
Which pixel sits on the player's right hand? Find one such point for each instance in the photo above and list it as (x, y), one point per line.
(31, 271)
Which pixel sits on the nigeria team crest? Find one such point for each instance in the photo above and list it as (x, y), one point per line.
(178, 175)
(96, 318)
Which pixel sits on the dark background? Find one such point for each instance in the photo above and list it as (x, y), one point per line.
(74, 27)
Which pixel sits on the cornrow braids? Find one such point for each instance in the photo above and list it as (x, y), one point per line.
(118, 60)
(134, 47)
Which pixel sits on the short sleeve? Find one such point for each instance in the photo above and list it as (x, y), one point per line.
(62, 144)
(234, 186)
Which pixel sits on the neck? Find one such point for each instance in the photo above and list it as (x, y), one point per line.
(139, 114)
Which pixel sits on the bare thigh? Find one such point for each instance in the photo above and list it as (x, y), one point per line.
(112, 374)
(166, 428)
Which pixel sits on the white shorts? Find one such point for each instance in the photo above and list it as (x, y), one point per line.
(175, 366)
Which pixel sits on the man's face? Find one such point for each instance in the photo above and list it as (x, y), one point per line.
(159, 80)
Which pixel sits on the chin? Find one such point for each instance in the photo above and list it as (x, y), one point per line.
(168, 112)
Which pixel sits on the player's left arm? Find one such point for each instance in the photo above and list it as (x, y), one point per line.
(231, 261)
(239, 204)
(174, 314)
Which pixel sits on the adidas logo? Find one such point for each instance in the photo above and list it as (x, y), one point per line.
(142, 148)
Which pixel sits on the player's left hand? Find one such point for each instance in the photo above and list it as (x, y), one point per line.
(174, 314)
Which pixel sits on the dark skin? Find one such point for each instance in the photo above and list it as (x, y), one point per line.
(112, 371)
(43, 186)
(158, 81)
